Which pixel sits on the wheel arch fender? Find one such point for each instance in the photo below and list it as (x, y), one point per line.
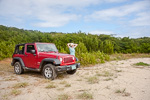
(49, 60)
(15, 59)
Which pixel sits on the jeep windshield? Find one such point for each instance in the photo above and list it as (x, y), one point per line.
(46, 47)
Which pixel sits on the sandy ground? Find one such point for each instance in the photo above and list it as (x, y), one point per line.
(114, 80)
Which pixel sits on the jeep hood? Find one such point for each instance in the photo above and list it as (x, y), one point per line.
(52, 54)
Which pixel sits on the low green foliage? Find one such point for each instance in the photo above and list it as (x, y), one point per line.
(93, 58)
(142, 64)
(85, 96)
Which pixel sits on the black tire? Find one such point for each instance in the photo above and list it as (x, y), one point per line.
(71, 72)
(49, 71)
(18, 68)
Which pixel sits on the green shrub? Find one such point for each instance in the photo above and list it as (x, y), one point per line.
(142, 64)
(93, 58)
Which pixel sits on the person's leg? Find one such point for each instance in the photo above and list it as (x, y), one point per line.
(77, 59)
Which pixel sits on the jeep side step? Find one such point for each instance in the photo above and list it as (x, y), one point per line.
(33, 69)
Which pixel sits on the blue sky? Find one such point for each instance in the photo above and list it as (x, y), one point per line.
(120, 17)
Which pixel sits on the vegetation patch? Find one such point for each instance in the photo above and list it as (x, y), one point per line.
(123, 92)
(50, 86)
(108, 79)
(121, 56)
(15, 92)
(118, 70)
(68, 85)
(85, 96)
(105, 74)
(79, 79)
(142, 64)
(60, 89)
(93, 79)
(21, 85)
(63, 97)
(63, 82)
(5, 97)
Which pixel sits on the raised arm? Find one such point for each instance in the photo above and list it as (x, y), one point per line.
(68, 45)
(75, 45)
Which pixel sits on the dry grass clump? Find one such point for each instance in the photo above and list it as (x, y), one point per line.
(64, 97)
(123, 92)
(79, 80)
(120, 56)
(105, 74)
(108, 79)
(68, 85)
(49, 86)
(85, 96)
(63, 82)
(93, 79)
(21, 85)
(15, 92)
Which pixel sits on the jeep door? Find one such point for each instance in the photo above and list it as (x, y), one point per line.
(30, 59)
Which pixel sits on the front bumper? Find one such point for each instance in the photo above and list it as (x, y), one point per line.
(67, 67)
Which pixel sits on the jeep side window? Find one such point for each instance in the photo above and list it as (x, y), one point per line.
(19, 49)
(29, 48)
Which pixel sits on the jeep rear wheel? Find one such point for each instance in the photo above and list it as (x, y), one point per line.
(18, 68)
(49, 71)
(71, 72)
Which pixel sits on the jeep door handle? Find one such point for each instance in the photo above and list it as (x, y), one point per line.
(25, 55)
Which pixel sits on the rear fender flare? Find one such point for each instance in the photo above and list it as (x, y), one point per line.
(17, 59)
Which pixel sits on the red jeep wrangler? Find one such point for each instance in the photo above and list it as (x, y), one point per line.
(43, 57)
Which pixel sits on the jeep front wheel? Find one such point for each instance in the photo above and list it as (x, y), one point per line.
(18, 68)
(49, 71)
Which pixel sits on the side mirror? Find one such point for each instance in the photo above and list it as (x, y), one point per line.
(32, 51)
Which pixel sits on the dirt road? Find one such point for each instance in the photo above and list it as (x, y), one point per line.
(114, 80)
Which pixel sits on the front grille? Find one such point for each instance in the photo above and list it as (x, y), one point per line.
(68, 60)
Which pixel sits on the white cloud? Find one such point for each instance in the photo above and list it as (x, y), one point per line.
(119, 12)
(114, 1)
(55, 21)
(143, 19)
(48, 13)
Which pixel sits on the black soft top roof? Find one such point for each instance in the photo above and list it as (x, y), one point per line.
(20, 44)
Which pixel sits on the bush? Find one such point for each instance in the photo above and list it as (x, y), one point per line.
(93, 58)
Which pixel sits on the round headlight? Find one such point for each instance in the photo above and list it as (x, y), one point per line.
(60, 59)
(73, 58)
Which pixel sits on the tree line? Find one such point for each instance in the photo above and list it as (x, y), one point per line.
(88, 44)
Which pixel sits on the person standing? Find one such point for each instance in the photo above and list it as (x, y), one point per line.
(72, 47)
